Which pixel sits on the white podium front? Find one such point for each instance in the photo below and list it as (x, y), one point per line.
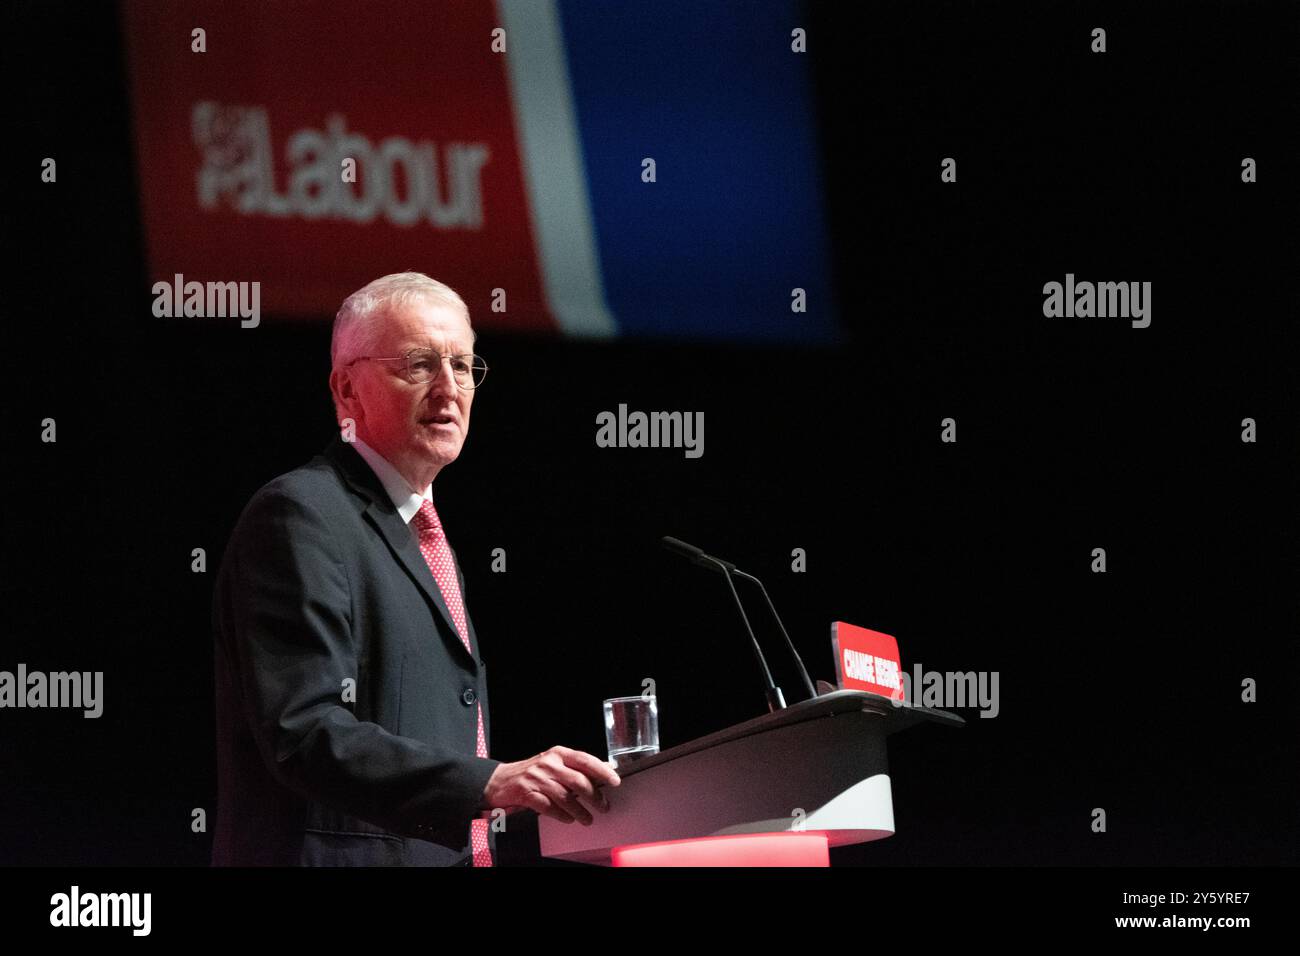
(815, 767)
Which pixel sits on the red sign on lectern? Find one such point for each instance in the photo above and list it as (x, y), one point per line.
(866, 660)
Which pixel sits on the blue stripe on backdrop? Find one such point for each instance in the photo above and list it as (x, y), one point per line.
(713, 93)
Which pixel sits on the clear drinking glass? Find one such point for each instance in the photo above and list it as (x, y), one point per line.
(631, 728)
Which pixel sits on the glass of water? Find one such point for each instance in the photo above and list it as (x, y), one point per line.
(631, 728)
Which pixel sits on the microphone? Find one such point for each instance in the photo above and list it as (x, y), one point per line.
(696, 555)
(775, 699)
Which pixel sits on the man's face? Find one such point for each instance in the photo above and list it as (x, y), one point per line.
(395, 417)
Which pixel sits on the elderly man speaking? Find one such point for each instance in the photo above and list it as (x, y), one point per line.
(351, 693)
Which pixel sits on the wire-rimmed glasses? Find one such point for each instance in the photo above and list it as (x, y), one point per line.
(422, 365)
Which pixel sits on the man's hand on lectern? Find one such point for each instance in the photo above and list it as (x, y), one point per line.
(559, 782)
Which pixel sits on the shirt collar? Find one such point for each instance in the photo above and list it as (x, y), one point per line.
(406, 501)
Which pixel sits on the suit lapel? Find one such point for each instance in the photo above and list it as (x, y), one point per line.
(396, 533)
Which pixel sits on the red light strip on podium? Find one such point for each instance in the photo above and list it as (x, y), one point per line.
(747, 849)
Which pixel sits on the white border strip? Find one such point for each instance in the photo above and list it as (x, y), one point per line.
(554, 173)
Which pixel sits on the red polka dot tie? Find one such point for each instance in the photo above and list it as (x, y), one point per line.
(437, 555)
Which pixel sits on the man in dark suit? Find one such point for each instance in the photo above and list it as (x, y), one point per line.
(351, 692)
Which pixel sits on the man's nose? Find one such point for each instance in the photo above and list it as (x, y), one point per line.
(445, 379)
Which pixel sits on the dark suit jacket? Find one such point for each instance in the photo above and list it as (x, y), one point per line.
(322, 581)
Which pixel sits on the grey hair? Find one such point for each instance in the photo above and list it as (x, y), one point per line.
(357, 326)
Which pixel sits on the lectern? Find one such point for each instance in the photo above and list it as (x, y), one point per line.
(780, 789)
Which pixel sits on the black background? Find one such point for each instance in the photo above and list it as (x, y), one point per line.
(1118, 690)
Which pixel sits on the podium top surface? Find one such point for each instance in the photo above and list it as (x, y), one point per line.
(897, 716)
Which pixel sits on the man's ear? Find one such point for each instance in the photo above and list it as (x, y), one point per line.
(344, 391)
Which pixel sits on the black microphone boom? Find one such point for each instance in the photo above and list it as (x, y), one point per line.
(678, 546)
(697, 555)
(803, 671)
(775, 699)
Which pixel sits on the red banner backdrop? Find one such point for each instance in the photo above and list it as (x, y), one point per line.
(242, 151)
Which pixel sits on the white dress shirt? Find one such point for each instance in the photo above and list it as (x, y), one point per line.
(406, 501)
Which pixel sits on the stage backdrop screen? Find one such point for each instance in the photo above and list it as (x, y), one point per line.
(621, 169)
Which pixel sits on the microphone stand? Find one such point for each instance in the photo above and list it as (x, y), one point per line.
(775, 699)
